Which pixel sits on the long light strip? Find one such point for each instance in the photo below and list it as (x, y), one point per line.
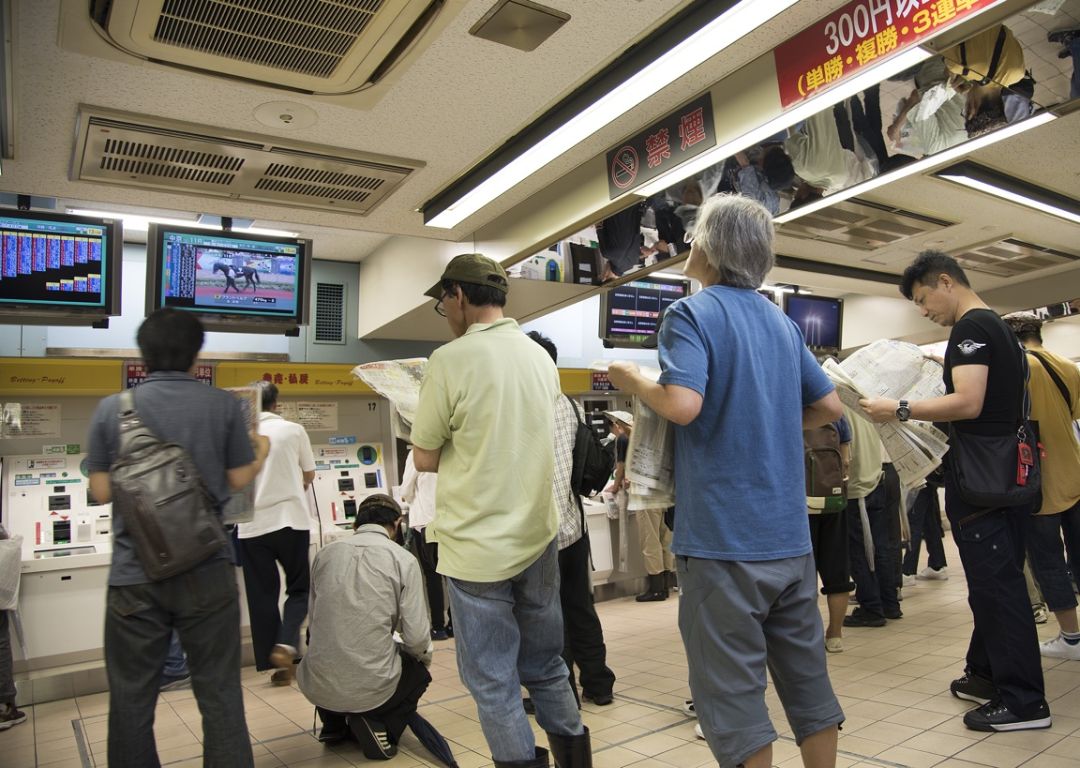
(802, 111)
(1008, 194)
(919, 166)
(136, 223)
(708, 41)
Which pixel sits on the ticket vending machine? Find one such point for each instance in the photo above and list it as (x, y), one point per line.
(344, 476)
(67, 546)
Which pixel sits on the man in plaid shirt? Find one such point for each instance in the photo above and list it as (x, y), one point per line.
(584, 637)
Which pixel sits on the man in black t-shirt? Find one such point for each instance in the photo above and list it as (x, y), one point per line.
(984, 386)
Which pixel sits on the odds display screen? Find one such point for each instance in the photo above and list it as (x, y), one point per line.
(228, 273)
(54, 261)
(631, 312)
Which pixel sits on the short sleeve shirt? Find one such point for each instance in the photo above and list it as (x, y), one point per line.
(739, 473)
(280, 496)
(980, 337)
(177, 408)
(488, 402)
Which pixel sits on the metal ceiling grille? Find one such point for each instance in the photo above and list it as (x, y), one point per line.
(136, 150)
(329, 313)
(1012, 258)
(308, 37)
(862, 225)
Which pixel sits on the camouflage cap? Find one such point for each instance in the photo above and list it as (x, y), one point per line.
(1024, 322)
(472, 268)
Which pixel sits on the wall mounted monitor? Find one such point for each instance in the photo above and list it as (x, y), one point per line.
(58, 268)
(819, 318)
(232, 280)
(630, 313)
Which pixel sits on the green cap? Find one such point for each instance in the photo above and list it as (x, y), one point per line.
(471, 268)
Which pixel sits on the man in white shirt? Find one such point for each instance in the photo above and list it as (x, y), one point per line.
(280, 533)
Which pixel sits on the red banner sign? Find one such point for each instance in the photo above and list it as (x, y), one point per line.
(859, 35)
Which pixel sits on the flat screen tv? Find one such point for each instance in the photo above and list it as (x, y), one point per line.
(630, 313)
(819, 318)
(232, 280)
(59, 268)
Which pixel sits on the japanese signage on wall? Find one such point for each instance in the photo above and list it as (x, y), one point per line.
(311, 415)
(601, 383)
(858, 35)
(31, 420)
(135, 373)
(684, 133)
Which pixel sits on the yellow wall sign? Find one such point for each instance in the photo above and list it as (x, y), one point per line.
(293, 379)
(43, 376)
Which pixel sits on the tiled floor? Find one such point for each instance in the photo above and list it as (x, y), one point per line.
(892, 682)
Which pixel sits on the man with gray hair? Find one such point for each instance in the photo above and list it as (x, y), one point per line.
(734, 366)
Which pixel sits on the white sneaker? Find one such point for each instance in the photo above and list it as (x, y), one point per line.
(688, 708)
(1040, 613)
(698, 732)
(909, 580)
(1058, 648)
(931, 574)
(834, 644)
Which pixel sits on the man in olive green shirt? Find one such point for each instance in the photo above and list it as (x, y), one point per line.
(484, 423)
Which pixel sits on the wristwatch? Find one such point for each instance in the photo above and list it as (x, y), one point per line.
(903, 410)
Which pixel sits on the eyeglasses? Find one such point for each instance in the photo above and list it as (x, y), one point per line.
(440, 310)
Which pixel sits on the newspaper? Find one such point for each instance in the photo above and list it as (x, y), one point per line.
(899, 371)
(399, 382)
(240, 508)
(650, 464)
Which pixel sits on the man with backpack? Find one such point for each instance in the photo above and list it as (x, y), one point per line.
(202, 603)
(584, 636)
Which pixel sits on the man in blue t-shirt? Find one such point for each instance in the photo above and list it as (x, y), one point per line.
(740, 386)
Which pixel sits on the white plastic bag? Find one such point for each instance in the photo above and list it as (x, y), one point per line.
(10, 571)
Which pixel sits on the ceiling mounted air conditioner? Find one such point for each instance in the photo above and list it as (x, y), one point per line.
(316, 46)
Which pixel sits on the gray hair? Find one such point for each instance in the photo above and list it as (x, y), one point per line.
(736, 235)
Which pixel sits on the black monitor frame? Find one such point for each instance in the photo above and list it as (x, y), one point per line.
(232, 322)
(633, 342)
(828, 301)
(59, 312)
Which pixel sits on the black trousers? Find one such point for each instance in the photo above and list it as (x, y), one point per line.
(427, 552)
(1004, 645)
(890, 479)
(397, 710)
(875, 589)
(259, 557)
(583, 643)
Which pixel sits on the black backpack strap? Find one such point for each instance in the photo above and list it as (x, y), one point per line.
(995, 59)
(1064, 390)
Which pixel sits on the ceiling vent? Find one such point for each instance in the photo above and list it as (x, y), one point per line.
(316, 46)
(329, 313)
(172, 156)
(861, 225)
(1012, 258)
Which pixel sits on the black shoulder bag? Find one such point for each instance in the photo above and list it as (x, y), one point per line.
(999, 470)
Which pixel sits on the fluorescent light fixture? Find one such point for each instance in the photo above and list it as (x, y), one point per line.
(919, 166)
(136, 223)
(708, 41)
(1005, 188)
(797, 114)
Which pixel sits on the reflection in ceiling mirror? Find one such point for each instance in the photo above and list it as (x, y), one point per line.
(974, 93)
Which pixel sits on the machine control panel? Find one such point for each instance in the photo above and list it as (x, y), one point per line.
(344, 476)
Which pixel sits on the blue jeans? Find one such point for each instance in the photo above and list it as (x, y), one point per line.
(508, 634)
(1043, 536)
(203, 606)
(175, 661)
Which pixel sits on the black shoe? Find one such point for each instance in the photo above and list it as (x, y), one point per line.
(333, 735)
(656, 590)
(1063, 36)
(861, 618)
(372, 736)
(599, 699)
(540, 761)
(894, 614)
(528, 706)
(995, 716)
(440, 634)
(971, 687)
(571, 751)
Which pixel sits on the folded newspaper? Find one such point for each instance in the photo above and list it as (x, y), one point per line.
(399, 382)
(650, 464)
(899, 371)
